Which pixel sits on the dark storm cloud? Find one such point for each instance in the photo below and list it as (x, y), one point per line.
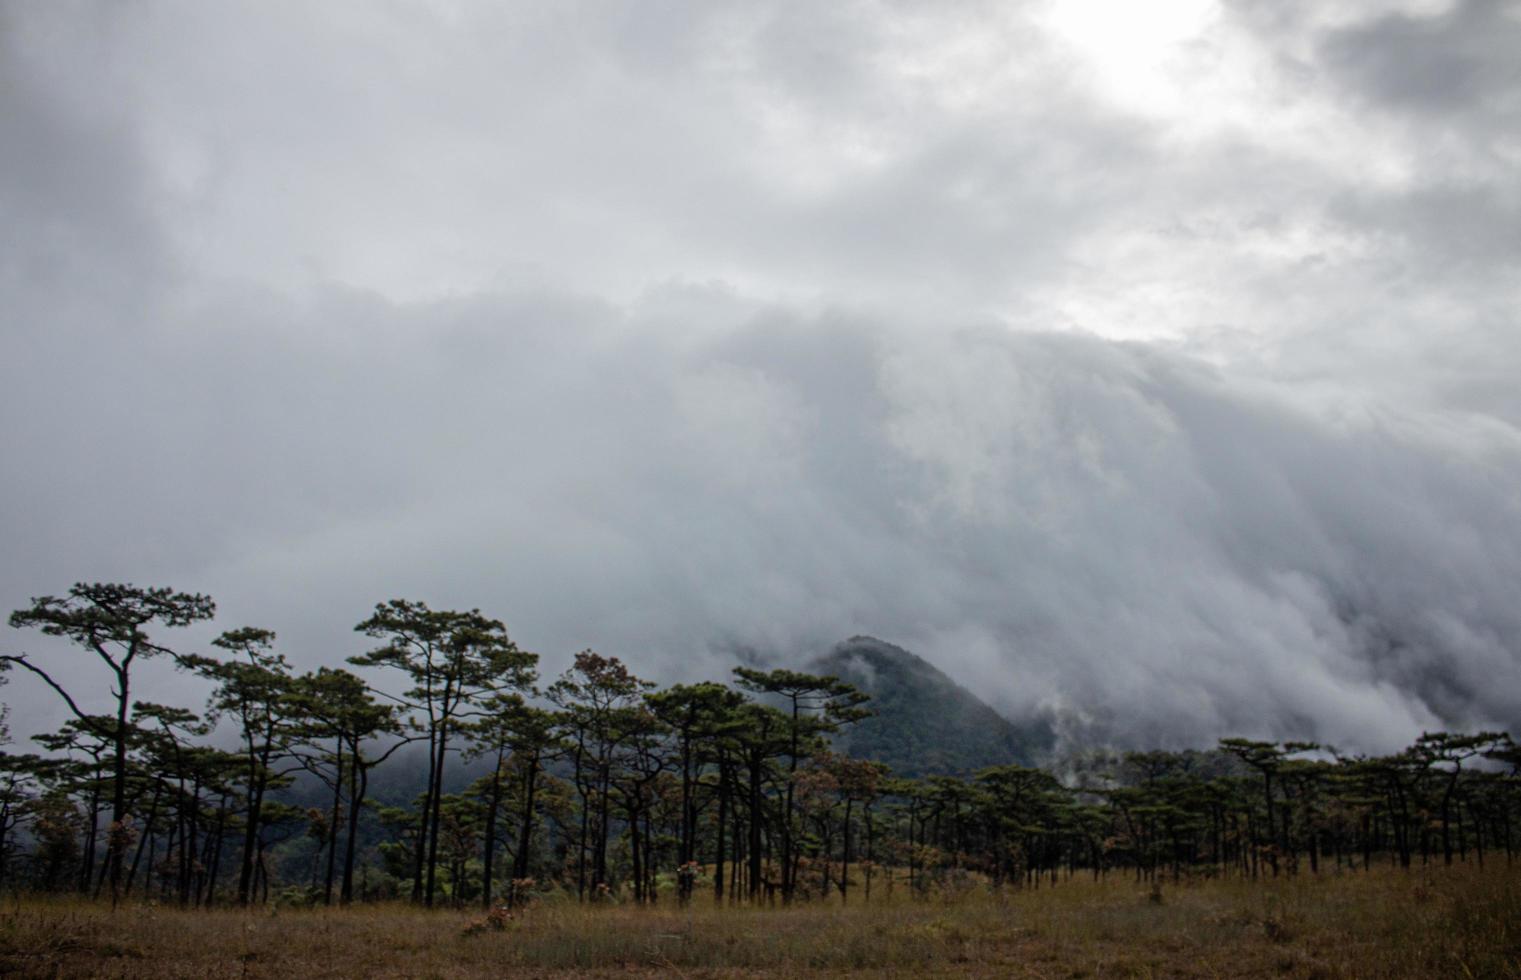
(671, 335)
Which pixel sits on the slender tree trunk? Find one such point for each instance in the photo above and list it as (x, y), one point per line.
(359, 778)
(525, 829)
(688, 819)
(650, 888)
(187, 843)
(258, 779)
(1462, 836)
(333, 823)
(635, 856)
(489, 844)
(845, 858)
(718, 851)
(437, 802)
(583, 841)
(1267, 794)
(1446, 820)
(788, 870)
(871, 853)
(147, 835)
(755, 829)
(92, 832)
(5, 839)
(419, 859)
(604, 815)
(117, 837)
(215, 863)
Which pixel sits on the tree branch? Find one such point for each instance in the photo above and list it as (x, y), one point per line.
(85, 719)
(403, 740)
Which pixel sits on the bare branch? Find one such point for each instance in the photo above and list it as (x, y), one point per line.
(88, 721)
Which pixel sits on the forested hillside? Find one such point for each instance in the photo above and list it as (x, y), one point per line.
(923, 722)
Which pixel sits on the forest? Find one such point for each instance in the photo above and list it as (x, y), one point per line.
(601, 787)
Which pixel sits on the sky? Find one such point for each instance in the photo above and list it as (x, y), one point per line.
(1146, 367)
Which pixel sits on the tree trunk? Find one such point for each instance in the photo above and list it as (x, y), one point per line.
(116, 837)
(489, 844)
(718, 852)
(215, 843)
(436, 804)
(525, 830)
(332, 827)
(755, 829)
(359, 778)
(845, 858)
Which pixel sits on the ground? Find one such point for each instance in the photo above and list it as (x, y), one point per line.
(1438, 922)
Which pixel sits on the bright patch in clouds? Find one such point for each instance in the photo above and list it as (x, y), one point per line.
(1133, 49)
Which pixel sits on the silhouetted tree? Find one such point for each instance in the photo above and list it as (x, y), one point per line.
(110, 621)
(600, 704)
(815, 705)
(453, 660)
(255, 689)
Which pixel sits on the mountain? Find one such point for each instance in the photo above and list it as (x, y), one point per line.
(925, 723)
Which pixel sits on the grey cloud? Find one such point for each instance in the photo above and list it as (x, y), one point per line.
(1068, 523)
(1453, 79)
(1459, 62)
(1441, 232)
(78, 240)
(673, 335)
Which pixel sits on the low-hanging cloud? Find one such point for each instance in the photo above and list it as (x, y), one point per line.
(1114, 531)
(765, 326)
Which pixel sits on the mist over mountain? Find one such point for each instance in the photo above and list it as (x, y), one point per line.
(1150, 373)
(1150, 548)
(923, 722)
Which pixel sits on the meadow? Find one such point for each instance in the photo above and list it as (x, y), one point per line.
(1437, 922)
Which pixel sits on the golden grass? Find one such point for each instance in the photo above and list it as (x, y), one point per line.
(1462, 922)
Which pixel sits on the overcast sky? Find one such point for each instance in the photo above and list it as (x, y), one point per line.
(1150, 364)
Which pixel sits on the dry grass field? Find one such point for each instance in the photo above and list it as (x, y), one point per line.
(1436, 923)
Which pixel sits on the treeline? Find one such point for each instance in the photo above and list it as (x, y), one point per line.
(607, 788)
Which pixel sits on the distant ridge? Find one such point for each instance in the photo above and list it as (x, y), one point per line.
(925, 723)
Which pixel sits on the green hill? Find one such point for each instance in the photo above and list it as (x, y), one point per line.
(925, 722)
